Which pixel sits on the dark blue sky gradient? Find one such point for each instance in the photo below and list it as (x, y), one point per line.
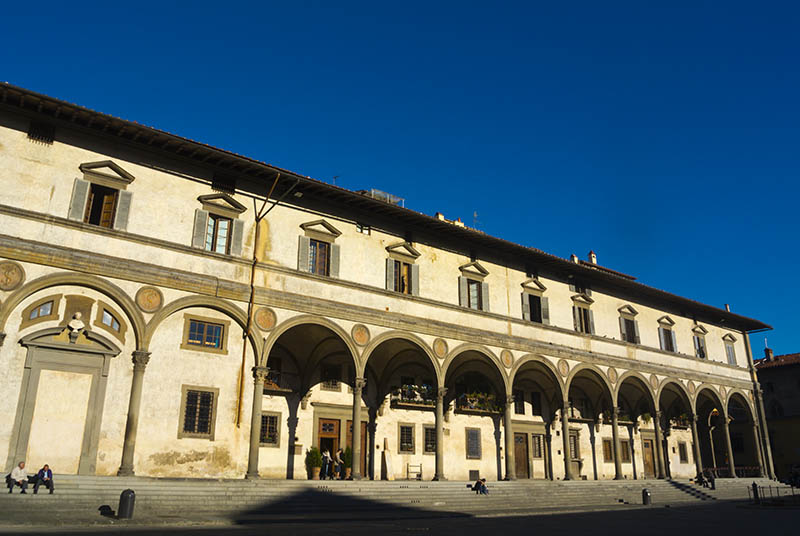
(663, 137)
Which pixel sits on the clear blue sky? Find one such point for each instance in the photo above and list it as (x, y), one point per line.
(663, 137)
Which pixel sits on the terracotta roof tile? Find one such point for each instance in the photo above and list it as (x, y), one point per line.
(780, 361)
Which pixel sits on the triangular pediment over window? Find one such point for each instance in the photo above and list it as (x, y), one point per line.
(533, 285)
(628, 310)
(321, 227)
(473, 269)
(666, 321)
(728, 338)
(221, 203)
(404, 249)
(107, 173)
(582, 299)
(699, 330)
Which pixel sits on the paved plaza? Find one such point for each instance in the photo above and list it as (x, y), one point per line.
(719, 518)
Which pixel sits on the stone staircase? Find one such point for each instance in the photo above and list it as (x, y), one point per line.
(248, 501)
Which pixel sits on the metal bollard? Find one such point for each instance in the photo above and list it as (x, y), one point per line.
(756, 499)
(127, 499)
(646, 498)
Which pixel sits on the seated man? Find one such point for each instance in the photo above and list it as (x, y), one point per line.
(45, 476)
(18, 477)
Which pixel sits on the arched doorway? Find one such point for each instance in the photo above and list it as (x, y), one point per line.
(638, 443)
(712, 428)
(589, 405)
(744, 437)
(678, 450)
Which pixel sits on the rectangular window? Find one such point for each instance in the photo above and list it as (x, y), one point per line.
(630, 330)
(731, 353)
(683, 452)
(331, 375)
(667, 338)
(700, 347)
(474, 295)
(582, 318)
(625, 451)
(573, 446)
(319, 258)
(473, 444)
(218, 231)
(198, 413)
(406, 439)
(535, 303)
(536, 445)
(205, 334)
(269, 429)
(608, 451)
(402, 277)
(430, 440)
(363, 229)
(519, 402)
(536, 402)
(101, 205)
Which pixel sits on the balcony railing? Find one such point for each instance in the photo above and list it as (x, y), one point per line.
(423, 396)
(478, 403)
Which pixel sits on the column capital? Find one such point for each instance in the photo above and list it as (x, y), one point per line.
(509, 400)
(441, 392)
(260, 374)
(615, 411)
(359, 384)
(140, 359)
(659, 414)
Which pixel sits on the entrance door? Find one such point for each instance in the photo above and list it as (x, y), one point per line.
(364, 469)
(329, 435)
(574, 455)
(521, 455)
(649, 462)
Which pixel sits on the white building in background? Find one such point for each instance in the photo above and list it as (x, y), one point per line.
(151, 326)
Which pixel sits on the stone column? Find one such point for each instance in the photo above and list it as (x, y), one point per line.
(565, 436)
(764, 433)
(759, 455)
(357, 388)
(140, 360)
(727, 432)
(259, 377)
(440, 394)
(593, 440)
(659, 446)
(698, 460)
(615, 438)
(511, 468)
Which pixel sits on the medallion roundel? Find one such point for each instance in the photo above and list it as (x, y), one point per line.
(265, 318)
(440, 348)
(11, 275)
(149, 299)
(360, 334)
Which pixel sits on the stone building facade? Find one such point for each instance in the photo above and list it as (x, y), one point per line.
(172, 309)
(780, 377)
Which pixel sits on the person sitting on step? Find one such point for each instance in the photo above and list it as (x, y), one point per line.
(18, 477)
(45, 476)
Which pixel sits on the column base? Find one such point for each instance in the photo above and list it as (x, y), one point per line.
(510, 478)
(619, 477)
(439, 478)
(252, 476)
(125, 471)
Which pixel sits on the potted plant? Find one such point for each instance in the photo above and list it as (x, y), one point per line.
(348, 463)
(313, 462)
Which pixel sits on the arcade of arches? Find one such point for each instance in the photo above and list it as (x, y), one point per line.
(423, 407)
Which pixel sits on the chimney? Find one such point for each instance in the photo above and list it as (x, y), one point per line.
(592, 257)
(439, 216)
(768, 354)
(728, 307)
(574, 258)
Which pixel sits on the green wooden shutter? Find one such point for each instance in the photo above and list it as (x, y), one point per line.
(636, 332)
(335, 249)
(661, 338)
(123, 210)
(80, 195)
(576, 318)
(545, 311)
(414, 280)
(526, 307)
(622, 330)
(591, 322)
(485, 297)
(200, 229)
(303, 253)
(463, 300)
(674, 340)
(237, 235)
(390, 274)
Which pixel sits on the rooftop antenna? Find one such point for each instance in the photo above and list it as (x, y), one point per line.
(765, 343)
(334, 179)
(475, 219)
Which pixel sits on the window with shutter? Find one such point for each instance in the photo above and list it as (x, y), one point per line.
(406, 436)
(700, 347)
(319, 257)
(474, 294)
(608, 451)
(625, 451)
(536, 445)
(574, 451)
(473, 443)
(218, 233)
(430, 440)
(731, 353)
(402, 277)
(667, 338)
(629, 330)
(535, 308)
(584, 322)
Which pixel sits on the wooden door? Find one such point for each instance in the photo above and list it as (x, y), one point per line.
(328, 435)
(521, 455)
(649, 462)
(363, 443)
(575, 455)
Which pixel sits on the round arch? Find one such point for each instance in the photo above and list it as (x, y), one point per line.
(466, 347)
(404, 335)
(208, 302)
(738, 394)
(679, 388)
(312, 320)
(635, 377)
(107, 288)
(712, 394)
(599, 373)
(541, 360)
